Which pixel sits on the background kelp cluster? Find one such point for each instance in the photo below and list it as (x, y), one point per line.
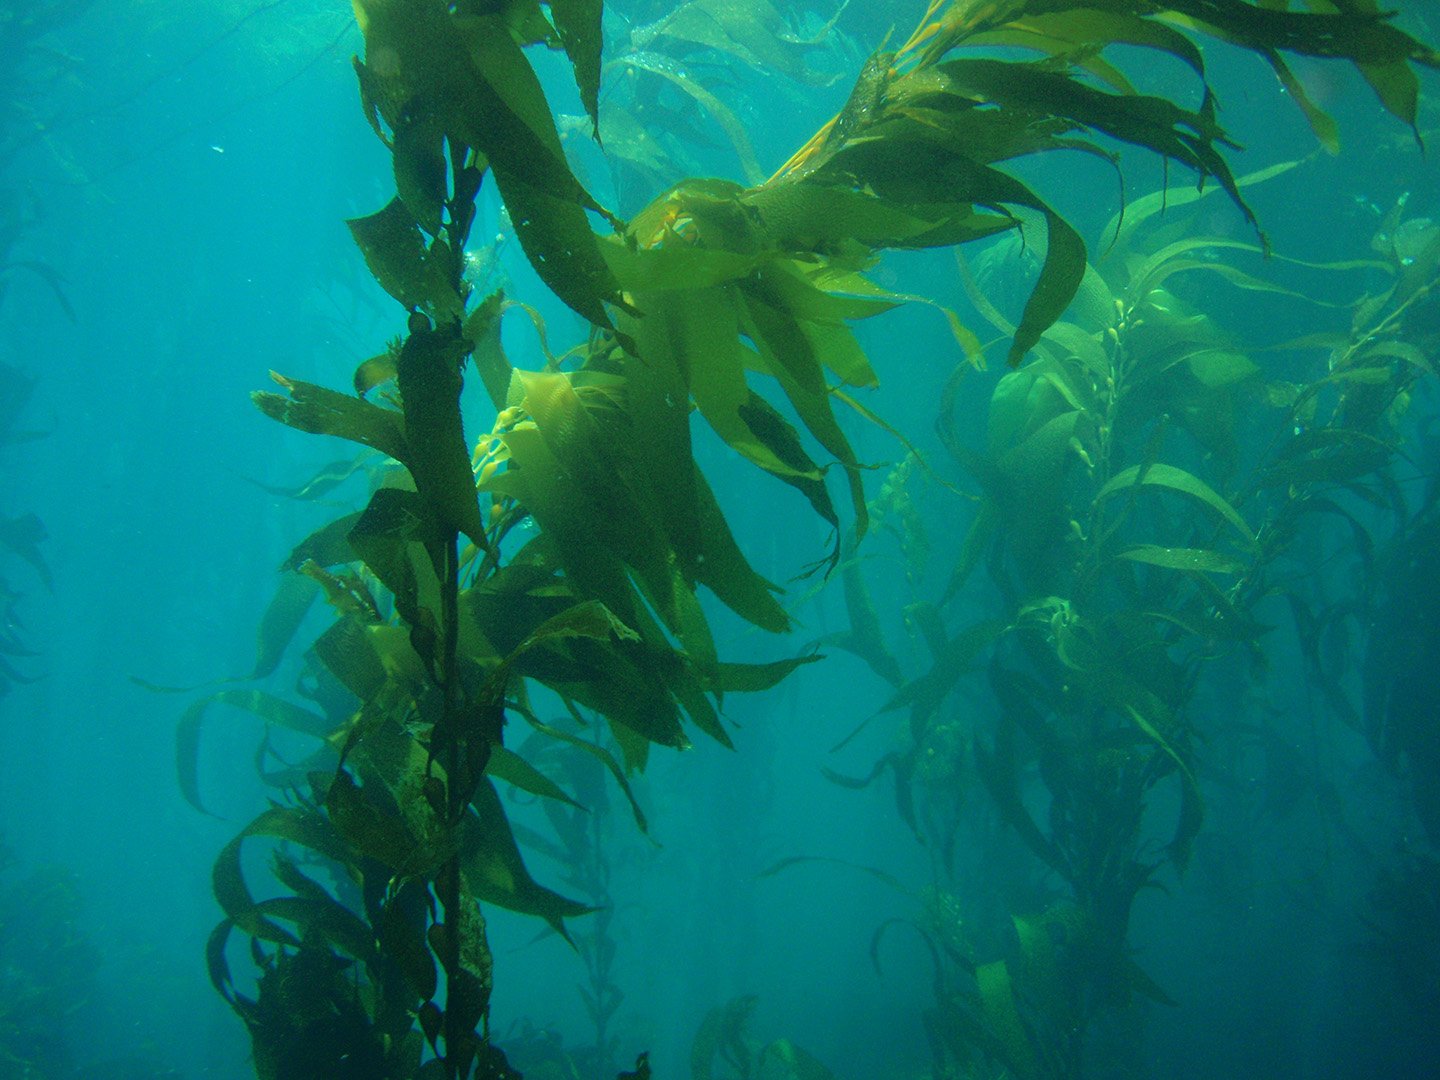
(1127, 541)
(50, 994)
(32, 67)
(1175, 497)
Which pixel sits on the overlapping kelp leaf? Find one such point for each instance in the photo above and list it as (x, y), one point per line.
(924, 130)
(764, 280)
(451, 79)
(326, 995)
(560, 611)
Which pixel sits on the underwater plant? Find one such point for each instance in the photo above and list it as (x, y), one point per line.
(1131, 544)
(50, 1003)
(557, 561)
(662, 74)
(724, 1049)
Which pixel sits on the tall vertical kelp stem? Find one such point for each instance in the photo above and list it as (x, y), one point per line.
(429, 382)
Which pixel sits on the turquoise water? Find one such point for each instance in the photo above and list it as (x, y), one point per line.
(182, 173)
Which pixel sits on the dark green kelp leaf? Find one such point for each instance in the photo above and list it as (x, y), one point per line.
(754, 678)
(481, 331)
(428, 374)
(293, 598)
(373, 827)
(556, 236)
(1152, 122)
(578, 22)
(587, 619)
(421, 175)
(297, 825)
(396, 253)
(515, 131)
(505, 764)
(1192, 804)
(394, 527)
(1161, 475)
(319, 411)
(1183, 558)
(327, 546)
(495, 872)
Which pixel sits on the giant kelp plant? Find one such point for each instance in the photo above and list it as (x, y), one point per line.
(451, 622)
(1130, 542)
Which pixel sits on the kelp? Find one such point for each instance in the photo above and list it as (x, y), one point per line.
(50, 999)
(565, 549)
(723, 1049)
(774, 272)
(440, 618)
(1131, 542)
(915, 138)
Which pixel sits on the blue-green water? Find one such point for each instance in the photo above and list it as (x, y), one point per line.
(184, 171)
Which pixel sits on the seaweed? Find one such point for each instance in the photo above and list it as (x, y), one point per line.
(724, 1040)
(1132, 545)
(561, 555)
(49, 991)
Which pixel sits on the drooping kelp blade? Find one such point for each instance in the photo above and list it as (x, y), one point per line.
(578, 22)
(315, 409)
(411, 270)
(465, 76)
(928, 111)
(613, 492)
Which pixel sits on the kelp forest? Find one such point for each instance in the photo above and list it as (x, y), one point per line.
(800, 539)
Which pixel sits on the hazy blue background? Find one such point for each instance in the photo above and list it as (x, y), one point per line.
(202, 158)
